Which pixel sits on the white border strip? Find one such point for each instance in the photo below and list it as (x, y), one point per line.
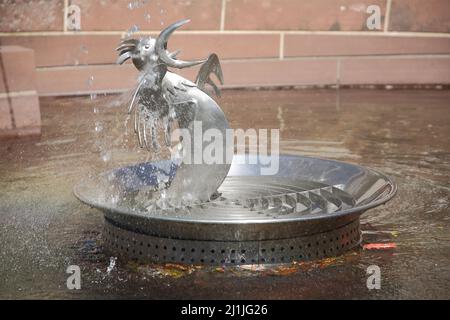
(66, 7)
(223, 15)
(17, 94)
(281, 46)
(387, 15)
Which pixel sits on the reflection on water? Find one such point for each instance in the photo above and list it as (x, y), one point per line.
(405, 134)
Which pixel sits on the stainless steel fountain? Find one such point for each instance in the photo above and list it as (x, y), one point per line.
(225, 213)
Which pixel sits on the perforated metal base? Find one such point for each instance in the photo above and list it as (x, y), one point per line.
(310, 209)
(145, 248)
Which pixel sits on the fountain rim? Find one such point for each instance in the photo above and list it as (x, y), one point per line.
(322, 216)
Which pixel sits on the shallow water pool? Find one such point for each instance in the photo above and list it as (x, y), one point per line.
(404, 133)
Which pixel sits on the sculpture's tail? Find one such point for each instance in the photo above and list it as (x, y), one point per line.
(211, 66)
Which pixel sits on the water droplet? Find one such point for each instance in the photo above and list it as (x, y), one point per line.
(106, 156)
(90, 81)
(112, 264)
(114, 199)
(84, 49)
(136, 4)
(93, 96)
(147, 17)
(98, 127)
(132, 30)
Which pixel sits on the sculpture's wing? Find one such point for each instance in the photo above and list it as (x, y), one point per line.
(182, 104)
(211, 66)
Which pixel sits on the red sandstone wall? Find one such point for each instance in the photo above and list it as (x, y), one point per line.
(261, 42)
(19, 101)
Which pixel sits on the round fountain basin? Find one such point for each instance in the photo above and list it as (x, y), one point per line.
(310, 209)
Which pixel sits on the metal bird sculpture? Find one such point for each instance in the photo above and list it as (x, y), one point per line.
(166, 98)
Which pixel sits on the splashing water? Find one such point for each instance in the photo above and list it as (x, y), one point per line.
(137, 4)
(106, 156)
(90, 81)
(131, 31)
(90, 84)
(84, 49)
(98, 126)
(111, 266)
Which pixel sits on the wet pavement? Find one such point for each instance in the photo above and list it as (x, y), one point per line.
(403, 133)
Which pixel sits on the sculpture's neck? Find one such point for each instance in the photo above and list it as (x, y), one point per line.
(153, 74)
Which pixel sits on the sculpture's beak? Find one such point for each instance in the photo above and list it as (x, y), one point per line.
(161, 48)
(126, 48)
